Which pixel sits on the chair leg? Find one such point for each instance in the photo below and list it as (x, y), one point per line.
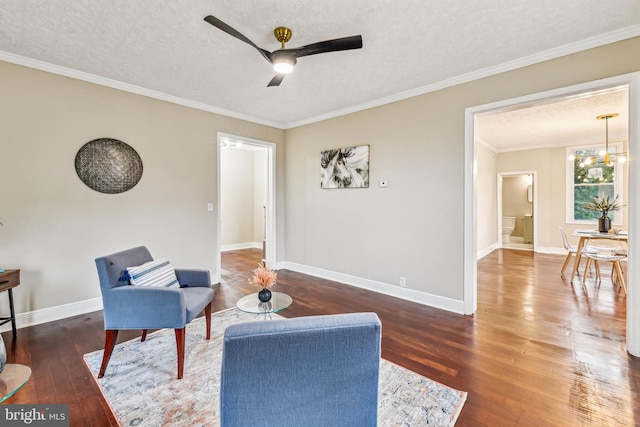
(207, 314)
(180, 341)
(587, 263)
(566, 263)
(620, 276)
(110, 337)
(144, 335)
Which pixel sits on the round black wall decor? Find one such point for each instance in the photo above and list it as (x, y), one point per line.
(108, 165)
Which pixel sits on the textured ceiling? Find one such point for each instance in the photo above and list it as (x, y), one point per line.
(166, 47)
(563, 122)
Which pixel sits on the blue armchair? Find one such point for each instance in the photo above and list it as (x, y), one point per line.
(135, 307)
(305, 371)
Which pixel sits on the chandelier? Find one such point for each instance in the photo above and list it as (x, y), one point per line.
(604, 156)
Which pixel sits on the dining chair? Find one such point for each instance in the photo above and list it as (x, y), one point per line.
(608, 250)
(572, 250)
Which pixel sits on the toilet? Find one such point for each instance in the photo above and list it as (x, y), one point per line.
(508, 225)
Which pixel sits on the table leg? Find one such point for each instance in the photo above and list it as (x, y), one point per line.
(576, 262)
(13, 313)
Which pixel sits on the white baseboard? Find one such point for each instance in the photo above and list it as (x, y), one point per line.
(236, 246)
(52, 314)
(539, 249)
(486, 251)
(550, 250)
(436, 301)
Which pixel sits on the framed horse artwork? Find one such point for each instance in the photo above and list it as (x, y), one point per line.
(345, 167)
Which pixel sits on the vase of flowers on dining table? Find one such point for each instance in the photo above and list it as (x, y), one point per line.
(265, 278)
(603, 204)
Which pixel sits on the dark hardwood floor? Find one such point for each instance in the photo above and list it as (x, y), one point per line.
(538, 352)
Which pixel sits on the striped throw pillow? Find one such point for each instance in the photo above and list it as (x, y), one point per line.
(158, 273)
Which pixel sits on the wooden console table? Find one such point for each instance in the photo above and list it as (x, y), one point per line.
(9, 279)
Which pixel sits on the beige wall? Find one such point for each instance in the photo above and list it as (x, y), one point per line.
(243, 176)
(410, 229)
(55, 226)
(487, 198)
(414, 228)
(550, 165)
(236, 196)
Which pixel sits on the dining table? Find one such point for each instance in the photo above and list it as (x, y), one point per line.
(590, 234)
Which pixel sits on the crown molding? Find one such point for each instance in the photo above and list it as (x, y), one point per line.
(571, 48)
(115, 84)
(557, 52)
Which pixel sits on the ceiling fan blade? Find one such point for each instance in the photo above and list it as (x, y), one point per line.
(276, 80)
(232, 32)
(345, 43)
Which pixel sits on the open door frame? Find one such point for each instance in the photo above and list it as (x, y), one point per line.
(534, 183)
(270, 211)
(632, 80)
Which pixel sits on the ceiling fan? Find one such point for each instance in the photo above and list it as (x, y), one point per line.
(283, 59)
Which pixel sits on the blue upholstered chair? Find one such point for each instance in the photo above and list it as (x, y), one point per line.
(137, 307)
(305, 371)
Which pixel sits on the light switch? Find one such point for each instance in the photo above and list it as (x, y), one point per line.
(210, 207)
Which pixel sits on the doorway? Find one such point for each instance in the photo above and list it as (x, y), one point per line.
(516, 219)
(632, 81)
(246, 197)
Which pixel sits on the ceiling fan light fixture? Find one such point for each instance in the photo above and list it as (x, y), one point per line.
(282, 62)
(283, 67)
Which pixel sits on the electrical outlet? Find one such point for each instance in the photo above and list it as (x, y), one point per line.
(403, 282)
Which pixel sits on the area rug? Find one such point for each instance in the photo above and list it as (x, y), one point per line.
(141, 388)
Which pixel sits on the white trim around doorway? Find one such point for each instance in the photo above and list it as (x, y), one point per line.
(632, 80)
(534, 184)
(270, 222)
